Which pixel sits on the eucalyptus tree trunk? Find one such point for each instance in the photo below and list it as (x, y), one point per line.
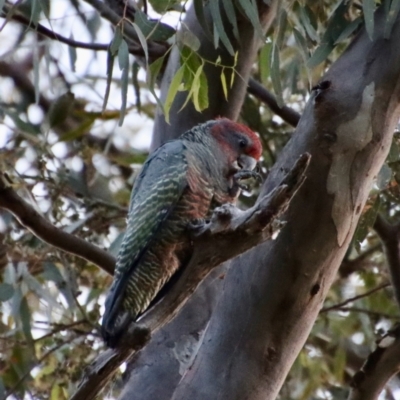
(238, 337)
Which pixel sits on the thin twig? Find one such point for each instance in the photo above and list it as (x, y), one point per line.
(360, 262)
(42, 30)
(38, 362)
(43, 229)
(366, 311)
(360, 296)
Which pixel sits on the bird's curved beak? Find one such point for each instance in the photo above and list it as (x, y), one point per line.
(246, 163)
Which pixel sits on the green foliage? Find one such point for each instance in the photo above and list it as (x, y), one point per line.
(50, 301)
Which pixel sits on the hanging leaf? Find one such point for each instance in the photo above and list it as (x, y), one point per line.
(199, 11)
(264, 62)
(350, 28)
(384, 177)
(136, 86)
(116, 42)
(60, 109)
(219, 25)
(320, 54)
(336, 25)
(161, 6)
(124, 94)
(186, 38)
(36, 75)
(123, 55)
(232, 18)
(72, 54)
(153, 29)
(142, 41)
(51, 273)
(152, 74)
(366, 222)
(110, 67)
(306, 22)
(202, 93)
(369, 9)
(250, 9)
(391, 17)
(22, 125)
(6, 291)
(224, 85)
(25, 318)
(172, 91)
(276, 75)
(282, 23)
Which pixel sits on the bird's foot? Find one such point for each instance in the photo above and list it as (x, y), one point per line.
(244, 175)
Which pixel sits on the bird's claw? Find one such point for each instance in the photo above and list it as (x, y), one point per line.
(245, 174)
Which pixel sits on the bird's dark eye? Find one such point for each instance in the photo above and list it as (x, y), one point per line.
(242, 143)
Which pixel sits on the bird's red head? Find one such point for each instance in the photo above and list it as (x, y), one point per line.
(233, 136)
(240, 144)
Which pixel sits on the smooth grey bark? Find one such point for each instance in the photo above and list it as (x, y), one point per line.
(172, 349)
(271, 296)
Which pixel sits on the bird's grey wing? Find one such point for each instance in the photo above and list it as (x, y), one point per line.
(156, 191)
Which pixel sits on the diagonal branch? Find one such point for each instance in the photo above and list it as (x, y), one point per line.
(43, 229)
(42, 30)
(379, 367)
(360, 296)
(389, 234)
(229, 233)
(289, 115)
(154, 48)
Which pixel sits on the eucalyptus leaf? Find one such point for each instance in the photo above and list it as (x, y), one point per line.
(275, 74)
(369, 9)
(219, 25)
(25, 318)
(153, 29)
(6, 291)
(172, 91)
(384, 177)
(391, 17)
(110, 67)
(230, 12)
(199, 11)
(123, 55)
(60, 109)
(72, 55)
(142, 41)
(116, 42)
(366, 222)
(124, 94)
(251, 11)
(189, 39)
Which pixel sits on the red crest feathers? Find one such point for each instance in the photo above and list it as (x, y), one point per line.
(225, 125)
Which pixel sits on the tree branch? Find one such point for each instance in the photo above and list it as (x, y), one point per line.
(289, 115)
(42, 30)
(379, 367)
(43, 229)
(229, 233)
(360, 296)
(155, 49)
(389, 234)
